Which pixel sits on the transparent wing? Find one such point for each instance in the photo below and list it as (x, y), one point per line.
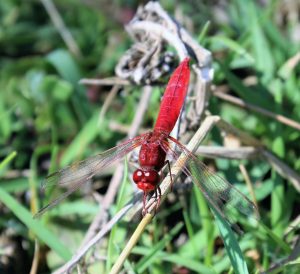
(75, 175)
(220, 194)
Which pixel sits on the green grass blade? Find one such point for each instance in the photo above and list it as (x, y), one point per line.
(233, 46)
(278, 195)
(145, 262)
(189, 228)
(208, 225)
(262, 52)
(278, 240)
(181, 260)
(34, 225)
(231, 244)
(203, 33)
(66, 66)
(15, 185)
(111, 250)
(7, 160)
(87, 134)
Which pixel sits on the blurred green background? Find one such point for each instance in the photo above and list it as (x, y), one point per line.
(48, 120)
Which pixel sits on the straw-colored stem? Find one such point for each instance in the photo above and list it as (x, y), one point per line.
(131, 243)
(239, 102)
(248, 183)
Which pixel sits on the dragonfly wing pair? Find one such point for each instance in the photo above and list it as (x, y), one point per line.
(220, 194)
(77, 174)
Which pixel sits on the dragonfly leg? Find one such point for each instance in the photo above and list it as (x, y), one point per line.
(144, 211)
(171, 177)
(157, 198)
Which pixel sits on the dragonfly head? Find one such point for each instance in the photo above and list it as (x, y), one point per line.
(146, 180)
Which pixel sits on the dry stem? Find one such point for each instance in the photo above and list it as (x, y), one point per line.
(61, 27)
(82, 251)
(241, 103)
(101, 216)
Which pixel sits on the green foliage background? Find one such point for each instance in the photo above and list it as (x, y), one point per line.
(48, 120)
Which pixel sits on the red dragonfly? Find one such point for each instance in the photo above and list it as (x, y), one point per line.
(155, 146)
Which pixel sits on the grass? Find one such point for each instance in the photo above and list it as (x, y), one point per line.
(48, 121)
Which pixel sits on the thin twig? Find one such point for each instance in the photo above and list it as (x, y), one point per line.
(108, 100)
(283, 169)
(244, 137)
(228, 153)
(82, 251)
(140, 111)
(110, 81)
(249, 184)
(295, 224)
(101, 216)
(61, 27)
(278, 267)
(242, 103)
(36, 257)
(118, 127)
(289, 66)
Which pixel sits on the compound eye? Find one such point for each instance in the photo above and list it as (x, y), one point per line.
(138, 175)
(152, 176)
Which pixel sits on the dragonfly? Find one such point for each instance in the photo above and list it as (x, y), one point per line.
(155, 146)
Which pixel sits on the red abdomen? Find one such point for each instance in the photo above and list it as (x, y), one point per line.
(173, 98)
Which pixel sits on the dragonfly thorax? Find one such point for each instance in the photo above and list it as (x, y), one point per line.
(152, 155)
(146, 180)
